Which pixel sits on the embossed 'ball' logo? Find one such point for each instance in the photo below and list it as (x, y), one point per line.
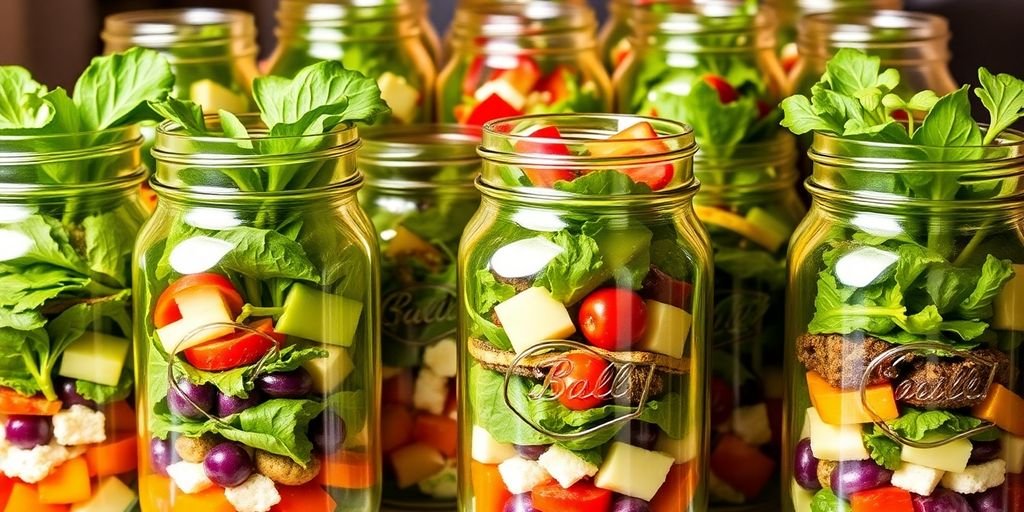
(419, 315)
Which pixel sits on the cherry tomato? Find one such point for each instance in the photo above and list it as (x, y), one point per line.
(643, 140)
(239, 349)
(545, 177)
(581, 381)
(166, 310)
(581, 497)
(493, 107)
(613, 318)
(12, 402)
(726, 92)
(721, 401)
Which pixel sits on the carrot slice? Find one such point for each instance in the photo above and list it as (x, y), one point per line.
(1002, 407)
(12, 402)
(68, 483)
(120, 417)
(25, 498)
(113, 457)
(348, 470)
(303, 497)
(489, 491)
(840, 407)
(439, 432)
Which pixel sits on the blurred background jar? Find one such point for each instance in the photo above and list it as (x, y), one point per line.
(613, 38)
(419, 194)
(382, 39)
(518, 58)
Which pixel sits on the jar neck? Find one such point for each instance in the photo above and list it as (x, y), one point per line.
(896, 37)
(764, 168)
(518, 27)
(348, 20)
(56, 161)
(428, 158)
(184, 36)
(711, 28)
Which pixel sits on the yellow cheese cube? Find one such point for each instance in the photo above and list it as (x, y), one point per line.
(202, 309)
(682, 450)
(95, 357)
(952, 457)
(172, 336)
(534, 316)
(668, 327)
(1013, 453)
(415, 463)
(1009, 304)
(111, 495)
(633, 471)
(329, 372)
(835, 442)
(399, 95)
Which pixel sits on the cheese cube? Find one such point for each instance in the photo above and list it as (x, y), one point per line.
(521, 475)
(79, 425)
(205, 316)
(1009, 303)
(190, 477)
(801, 498)
(488, 451)
(682, 450)
(1013, 453)
(95, 357)
(950, 457)
(917, 479)
(668, 328)
(257, 494)
(751, 424)
(400, 96)
(442, 357)
(414, 463)
(430, 392)
(534, 316)
(111, 495)
(329, 372)
(633, 471)
(835, 442)
(976, 478)
(566, 467)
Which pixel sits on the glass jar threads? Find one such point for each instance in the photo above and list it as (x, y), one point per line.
(257, 298)
(419, 194)
(584, 294)
(515, 58)
(382, 39)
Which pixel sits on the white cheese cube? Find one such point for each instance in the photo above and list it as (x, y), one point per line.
(633, 471)
(504, 90)
(1013, 453)
(682, 450)
(521, 475)
(111, 495)
(31, 466)
(205, 316)
(976, 478)
(835, 442)
(190, 477)
(400, 96)
(534, 316)
(751, 424)
(257, 494)
(1009, 302)
(430, 392)
(329, 372)
(917, 479)
(442, 357)
(566, 467)
(488, 451)
(951, 457)
(79, 425)
(668, 328)
(801, 498)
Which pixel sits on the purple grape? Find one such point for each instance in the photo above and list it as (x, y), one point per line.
(988, 501)
(328, 432)
(519, 503)
(628, 504)
(532, 451)
(984, 451)
(228, 465)
(204, 396)
(640, 434)
(27, 432)
(941, 500)
(228, 405)
(854, 476)
(161, 455)
(67, 392)
(294, 384)
(805, 467)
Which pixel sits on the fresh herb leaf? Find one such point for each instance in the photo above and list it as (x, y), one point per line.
(919, 425)
(188, 114)
(114, 89)
(108, 245)
(102, 394)
(21, 100)
(826, 501)
(571, 274)
(1003, 96)
(603, 183)
(265, 254)
(995, 273)
(490, 292)
(238, 382)
(949, 124)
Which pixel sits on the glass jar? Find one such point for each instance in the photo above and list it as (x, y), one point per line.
(68, 218)
(382, 39)
(419, 194)
(748, 202)
(675, 49)
(902, 328)
(614, 36)
(792, 11)
(256, 291)
(515, 58)
(583, 323)
(915, 44)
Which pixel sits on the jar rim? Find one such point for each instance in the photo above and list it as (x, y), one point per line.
(780, 148)
(826, 146)
(342, 13)
(522, 19)
(870, 29)
(119, 138)
(443, 143)
(159, 28)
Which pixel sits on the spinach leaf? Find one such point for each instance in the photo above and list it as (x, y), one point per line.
(102, 394)
(826, 501)
(186, 113)
(26, 288)
(238, 382)
(108, 245)
(266, 254)
(490, 292)
(45, 240)
(321, 95)
(114, 89)
(15, 346)
(917, 425)
(603, 183)
(995, 273)
(949, 124)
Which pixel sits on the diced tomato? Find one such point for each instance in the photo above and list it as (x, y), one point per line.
(545, 177)
(490, 109)
(307, 497)
(899, 115)
(677, 491)
(6, 486)
(763, 109)
(582, 497)
(440, 432)
(581, 380)
(398, 389)
(664, 288)
(12, 402)
(790, 58)
(741, 465)
(240, 349)
(166, 311)
(396, 428)
(643, 140)
(883, 499)
(726, 92)
(554, 84)
(523, 77)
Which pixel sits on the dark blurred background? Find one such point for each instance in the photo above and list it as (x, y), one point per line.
(56, 38)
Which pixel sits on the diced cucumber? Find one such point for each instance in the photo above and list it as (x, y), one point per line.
(318, 316)
(770, 223)
(95, 357)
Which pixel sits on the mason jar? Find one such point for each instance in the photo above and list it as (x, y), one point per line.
(256, 293)
(903, 329)
(585, 306)
(419, 194)
(382, 39)
(680, 52)
(515, 58)
(915, 44)
(749, 204)
(69, 212)
(613, 39)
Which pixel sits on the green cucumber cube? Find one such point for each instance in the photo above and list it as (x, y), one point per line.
(318, 316)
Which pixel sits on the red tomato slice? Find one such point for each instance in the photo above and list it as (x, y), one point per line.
(581, 381)
(240, 349)
(166, 310)
(545, 177)
(490, 109)
(12, 402)
(726, 92)
(643, 141)
(474, 76)
(582, 497)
